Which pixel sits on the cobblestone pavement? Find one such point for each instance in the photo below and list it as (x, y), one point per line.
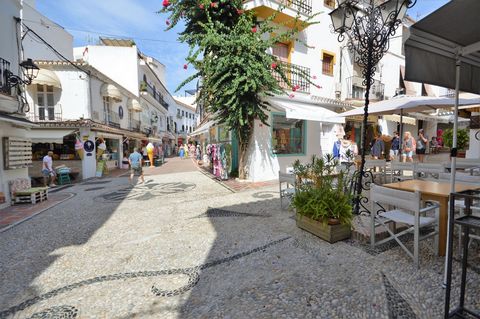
(183, 246)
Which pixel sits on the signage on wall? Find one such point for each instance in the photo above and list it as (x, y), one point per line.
(120, 112)
(88, 146)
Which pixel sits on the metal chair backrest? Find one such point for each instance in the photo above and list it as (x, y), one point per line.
(461, 177)
(400, 199)
(372, 163)
(286, 178)
(430, 169)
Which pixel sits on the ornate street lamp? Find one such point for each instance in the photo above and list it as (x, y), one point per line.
(30, 72)
(367, 25)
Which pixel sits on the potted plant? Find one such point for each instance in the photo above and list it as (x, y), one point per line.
(143, 87)
(323, 206)
(462, 140)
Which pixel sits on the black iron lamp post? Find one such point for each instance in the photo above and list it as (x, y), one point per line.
(367, 25)
(30, 72)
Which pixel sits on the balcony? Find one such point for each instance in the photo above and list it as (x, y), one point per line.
(134, 125)
(46, 114)
(356, 89)
(112, 119)
(293, 8)
(297, 75)
(4, 70)
(157, 96)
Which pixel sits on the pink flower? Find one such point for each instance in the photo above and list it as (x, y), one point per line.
(291, 96)
(214, 5)
(185, 66)
(166, 3)
(167, 22)
(317, 86)
(314, 77)
(201, 6)
(297, 86)
(294, 88)
(240, 11)
(254, 29)
(274, 65)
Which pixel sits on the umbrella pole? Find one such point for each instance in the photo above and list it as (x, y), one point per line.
(401, 132)
(453, 155)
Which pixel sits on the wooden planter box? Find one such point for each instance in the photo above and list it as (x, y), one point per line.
(330, 233)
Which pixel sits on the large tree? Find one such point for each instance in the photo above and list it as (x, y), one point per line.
(229, 49)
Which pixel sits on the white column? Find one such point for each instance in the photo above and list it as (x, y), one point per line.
(89, 162)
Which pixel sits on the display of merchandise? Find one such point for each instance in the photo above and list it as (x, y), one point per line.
(217, 156)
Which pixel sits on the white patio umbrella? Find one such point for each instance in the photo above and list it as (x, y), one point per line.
(444, 49)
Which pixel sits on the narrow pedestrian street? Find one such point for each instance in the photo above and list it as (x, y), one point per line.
(184, 246)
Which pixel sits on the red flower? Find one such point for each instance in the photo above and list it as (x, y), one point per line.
(294, 88)
(297, 86)
(185, 66)
(254, 29)
(201, 6)
(274, 65)
(314, 77)
(240, 11)
(167, 22)
(166, 3)
(214, 5)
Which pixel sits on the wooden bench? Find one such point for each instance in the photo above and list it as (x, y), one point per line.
(22, 192)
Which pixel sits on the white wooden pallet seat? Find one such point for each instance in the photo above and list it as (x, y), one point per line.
(22, 192)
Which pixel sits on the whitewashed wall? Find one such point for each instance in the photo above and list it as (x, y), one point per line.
(53, 33)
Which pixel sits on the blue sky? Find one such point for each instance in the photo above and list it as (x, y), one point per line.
(86, 20)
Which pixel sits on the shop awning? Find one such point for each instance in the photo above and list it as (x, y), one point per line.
(48, 136)
(20, 121)
(203, 128)
(111, 90)
(409, 86)
(47, 77)
(168, 135)
(134, 105)
(302, 111)
(409, 104)
(396, 118)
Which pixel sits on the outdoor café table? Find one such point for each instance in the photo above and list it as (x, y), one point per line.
(435, 191)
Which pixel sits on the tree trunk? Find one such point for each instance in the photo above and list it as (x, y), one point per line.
(242, 161)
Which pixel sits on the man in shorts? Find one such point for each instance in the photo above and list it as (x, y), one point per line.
(135, 160)
(47, 169)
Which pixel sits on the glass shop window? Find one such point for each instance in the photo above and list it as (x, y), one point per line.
(288, 135)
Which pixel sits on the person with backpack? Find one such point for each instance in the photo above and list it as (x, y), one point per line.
(135, 160)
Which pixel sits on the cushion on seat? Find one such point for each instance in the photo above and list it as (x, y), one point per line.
(402, 216)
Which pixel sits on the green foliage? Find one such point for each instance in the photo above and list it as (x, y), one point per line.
(229, 49)
(462, 138)
(320, 193)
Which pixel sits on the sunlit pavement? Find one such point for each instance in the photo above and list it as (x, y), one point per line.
(184, 246)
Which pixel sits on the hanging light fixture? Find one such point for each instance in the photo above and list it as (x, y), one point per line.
(368, 25)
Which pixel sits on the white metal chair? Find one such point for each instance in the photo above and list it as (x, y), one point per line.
(290, 181)
(429, 170)
(398, 171)
(378, 167)
(407, 210)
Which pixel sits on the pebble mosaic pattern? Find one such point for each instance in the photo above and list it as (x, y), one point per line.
(96, 182)
(216, 212)
(398, 307)
(147, 191)
(94, 189)
(192, 272)
(59, 312)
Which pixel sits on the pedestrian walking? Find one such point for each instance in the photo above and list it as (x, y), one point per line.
(407, 147)
(395, 148)
(181, 152)
(421, 145)
(377, 147)
(48, 171)
(135, 160)
(198, 154)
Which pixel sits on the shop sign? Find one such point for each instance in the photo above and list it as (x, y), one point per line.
(88, 146)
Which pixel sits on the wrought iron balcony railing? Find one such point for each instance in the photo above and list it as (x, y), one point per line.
(4, 70)
(112, 119)
(157, 96)
(302, 6)
(356, 89)
(46, 114)
(297, 75)
(134, 125)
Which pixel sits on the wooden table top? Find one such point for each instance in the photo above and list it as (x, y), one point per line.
(441, 189)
